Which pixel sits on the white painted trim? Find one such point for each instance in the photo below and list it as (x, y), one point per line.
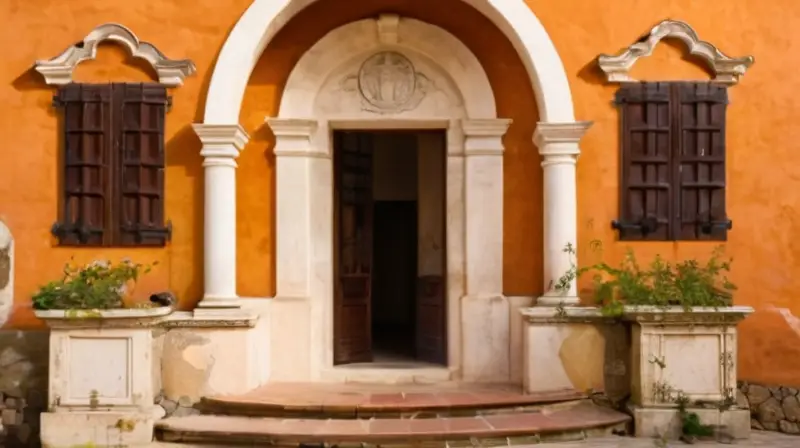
(265, 18)
(58, 70)
(727, 70)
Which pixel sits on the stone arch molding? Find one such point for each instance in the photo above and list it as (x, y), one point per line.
(58, 70)
(433, 74)
(727, 70)
(265, 18)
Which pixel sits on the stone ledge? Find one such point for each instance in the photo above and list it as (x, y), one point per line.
(212, 318)
(566, 314)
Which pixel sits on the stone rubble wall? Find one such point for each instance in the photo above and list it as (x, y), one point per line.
(772, 408)
(23, 386)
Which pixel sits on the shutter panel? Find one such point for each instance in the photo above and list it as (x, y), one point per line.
(140, 204)
(86, 164)
(645, 206)
(700, 164)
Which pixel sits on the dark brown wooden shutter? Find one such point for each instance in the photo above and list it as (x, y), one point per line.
(646, 159)
(140, 194)
(87, 163)
(700, 162)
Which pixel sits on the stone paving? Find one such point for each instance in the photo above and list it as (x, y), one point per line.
(759, 439)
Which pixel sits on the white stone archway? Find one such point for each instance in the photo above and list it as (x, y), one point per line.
(303, 150)
(451, 93)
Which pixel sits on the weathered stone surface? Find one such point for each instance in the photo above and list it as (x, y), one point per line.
(741, 400)
(769, 413)
(788, 427)
(791, 408)
(169, 406)
(24, 358)
(786, 392)
(757, 394)
(755, 424)
(183, 411)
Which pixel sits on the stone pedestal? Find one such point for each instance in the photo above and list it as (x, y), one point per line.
(575, 348)
(689, 355)
(101, 384)
(215, 352)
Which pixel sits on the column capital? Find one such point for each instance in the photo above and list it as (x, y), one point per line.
(484, 137)
(221, 142)
(292, 127)
(293, 137)
(221, 134)
(558, 142)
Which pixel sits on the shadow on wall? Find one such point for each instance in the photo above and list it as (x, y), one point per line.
(23, 385)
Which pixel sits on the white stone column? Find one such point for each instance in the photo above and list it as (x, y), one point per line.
(221, 147)
(484, 309)
(558, 146)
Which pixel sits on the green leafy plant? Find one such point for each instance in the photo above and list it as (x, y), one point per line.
(687, 283)
(100, 285)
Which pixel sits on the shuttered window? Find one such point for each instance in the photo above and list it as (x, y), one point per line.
(673, 162)
(113, 165)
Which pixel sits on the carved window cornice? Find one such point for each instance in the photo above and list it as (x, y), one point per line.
(727, 70)
(58, 70)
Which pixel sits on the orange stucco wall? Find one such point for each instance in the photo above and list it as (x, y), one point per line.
(760, 137)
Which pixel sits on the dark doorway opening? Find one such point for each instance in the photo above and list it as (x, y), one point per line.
(389, 295)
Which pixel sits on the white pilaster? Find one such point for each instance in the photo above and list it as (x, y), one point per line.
(483, 149)
(558, 146)
(303, 225)
(221, 147)
(484, 309)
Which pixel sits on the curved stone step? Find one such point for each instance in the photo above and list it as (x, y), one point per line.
(574, 422)
(320, 401)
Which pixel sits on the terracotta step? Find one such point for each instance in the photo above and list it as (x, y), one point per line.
(574, 422)
(343, 401)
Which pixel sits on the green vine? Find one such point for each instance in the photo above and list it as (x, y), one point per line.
(688, 283)
(97, 286)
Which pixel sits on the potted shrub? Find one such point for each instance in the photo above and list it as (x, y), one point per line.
(683, 354)
(100, 379)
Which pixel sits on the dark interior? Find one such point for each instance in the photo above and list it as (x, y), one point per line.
(394, 279)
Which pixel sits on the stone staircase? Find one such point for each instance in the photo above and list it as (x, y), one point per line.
(377, 415)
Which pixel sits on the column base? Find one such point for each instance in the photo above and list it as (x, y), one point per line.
(556, 300)
(219, 302)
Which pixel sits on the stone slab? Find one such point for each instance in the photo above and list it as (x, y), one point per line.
(98, 429)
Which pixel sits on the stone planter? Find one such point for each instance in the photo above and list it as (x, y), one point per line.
(100, 381)
(691, 353)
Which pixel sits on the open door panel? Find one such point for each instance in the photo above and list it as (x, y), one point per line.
(353, 218)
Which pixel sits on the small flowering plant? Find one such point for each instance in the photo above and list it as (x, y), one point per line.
(100, 285)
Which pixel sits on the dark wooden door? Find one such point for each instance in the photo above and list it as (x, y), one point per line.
(353, 226)
(431, 320)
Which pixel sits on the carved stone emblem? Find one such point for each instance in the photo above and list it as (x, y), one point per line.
(388, 82)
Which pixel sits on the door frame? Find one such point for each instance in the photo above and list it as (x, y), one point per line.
(454, 231)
